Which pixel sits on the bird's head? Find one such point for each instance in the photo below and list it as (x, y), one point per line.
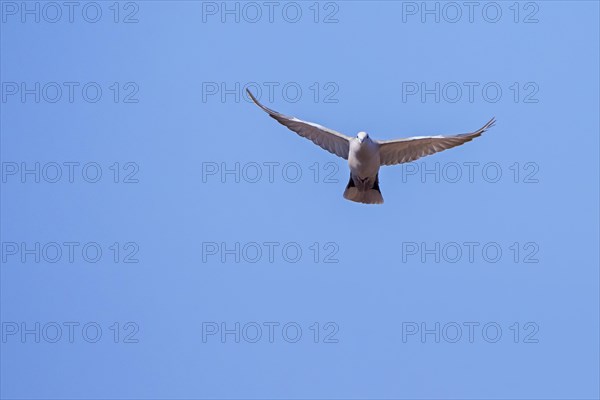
(362, 136)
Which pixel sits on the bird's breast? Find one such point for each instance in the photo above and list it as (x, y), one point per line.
(363, 158)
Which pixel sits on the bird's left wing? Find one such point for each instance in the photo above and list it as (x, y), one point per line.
(406, 150)
(330, 140)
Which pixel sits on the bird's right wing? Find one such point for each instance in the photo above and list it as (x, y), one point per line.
(406, 150)
(326, 138)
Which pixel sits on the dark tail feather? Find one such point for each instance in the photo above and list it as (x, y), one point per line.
(371, 196)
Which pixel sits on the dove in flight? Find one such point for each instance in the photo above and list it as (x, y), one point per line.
(366, 155)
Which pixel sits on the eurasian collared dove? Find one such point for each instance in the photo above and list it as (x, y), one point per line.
(366, 155)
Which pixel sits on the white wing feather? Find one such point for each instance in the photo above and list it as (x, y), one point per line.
(328, 139)
(400, 151)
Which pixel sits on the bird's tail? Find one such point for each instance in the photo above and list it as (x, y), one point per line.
(369, 196)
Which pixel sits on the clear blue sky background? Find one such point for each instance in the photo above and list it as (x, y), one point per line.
(371, 293)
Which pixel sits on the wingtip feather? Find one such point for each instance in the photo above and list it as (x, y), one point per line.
(258, 103)
(488, 125)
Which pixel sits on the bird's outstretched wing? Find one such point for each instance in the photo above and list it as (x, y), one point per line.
(328, 139)
(406, 150)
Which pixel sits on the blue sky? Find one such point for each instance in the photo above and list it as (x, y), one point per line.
(162, 237)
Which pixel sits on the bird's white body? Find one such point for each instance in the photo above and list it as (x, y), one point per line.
(364, 163)
(365, 155)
